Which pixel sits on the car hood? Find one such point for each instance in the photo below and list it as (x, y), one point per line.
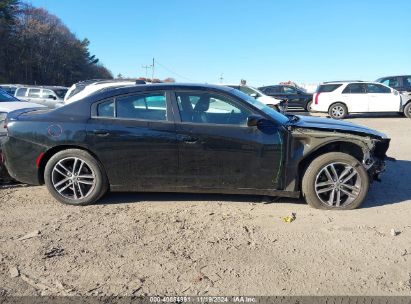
(12, 106)
(269, 100)
(335, 125)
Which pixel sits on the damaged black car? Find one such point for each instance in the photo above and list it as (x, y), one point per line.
(191, 138)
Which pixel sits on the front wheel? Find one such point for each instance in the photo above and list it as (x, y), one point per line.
(407, 110)
(335, 181)
(338, 111)
(75, 177)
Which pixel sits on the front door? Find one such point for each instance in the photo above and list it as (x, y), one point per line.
(381, 99)
(216, 148)
(134, 137)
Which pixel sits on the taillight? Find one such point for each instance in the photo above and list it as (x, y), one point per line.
(38, 159)
(316, 97)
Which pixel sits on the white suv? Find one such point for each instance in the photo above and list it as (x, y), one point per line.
(338, 99)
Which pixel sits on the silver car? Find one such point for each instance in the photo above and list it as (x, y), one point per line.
(49, 96)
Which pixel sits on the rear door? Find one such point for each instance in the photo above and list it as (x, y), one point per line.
(134, 137)
(381, 99)
(216, 148)
(355, 97)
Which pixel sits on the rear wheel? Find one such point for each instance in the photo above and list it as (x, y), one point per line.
(75, 177)
(335, 181)
(308, 107)
(407, 110)
(338, 111)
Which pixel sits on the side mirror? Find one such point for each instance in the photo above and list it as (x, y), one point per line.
(253, 120)
(254, 95)
(258, 121)
(52, 97)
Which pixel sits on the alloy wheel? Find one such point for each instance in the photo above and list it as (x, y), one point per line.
(338, 111)
(73, 178)
(338, 184)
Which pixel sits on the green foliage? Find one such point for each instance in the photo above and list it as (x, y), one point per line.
(36, 47)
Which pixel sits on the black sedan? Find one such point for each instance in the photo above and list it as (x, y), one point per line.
(191, 138)
(296, 99)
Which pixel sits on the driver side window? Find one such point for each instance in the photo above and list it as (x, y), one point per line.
(210, 108)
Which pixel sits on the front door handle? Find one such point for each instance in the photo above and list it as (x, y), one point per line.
(101, 132)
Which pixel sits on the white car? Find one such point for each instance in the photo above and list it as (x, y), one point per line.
(257, 94)
(340, 98)
(85, 88)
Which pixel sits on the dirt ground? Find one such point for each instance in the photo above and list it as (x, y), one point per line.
(181, 244)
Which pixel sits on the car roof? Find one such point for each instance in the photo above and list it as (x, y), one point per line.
(342, 81)
(41, 87)
(112, 91)
(394, 76)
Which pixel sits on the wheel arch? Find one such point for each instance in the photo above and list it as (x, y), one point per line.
(350, 148)
(52, 151)
(341, 102)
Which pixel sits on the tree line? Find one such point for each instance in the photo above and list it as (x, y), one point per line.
(37, 48)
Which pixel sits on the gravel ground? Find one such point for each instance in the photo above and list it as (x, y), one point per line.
(181, 244)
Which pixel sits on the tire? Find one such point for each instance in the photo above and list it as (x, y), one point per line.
(407, 109)
(75, 169)
(308, 107)
(315, 177)
(338, 111)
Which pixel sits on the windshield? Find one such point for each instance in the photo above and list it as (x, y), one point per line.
(4, 97)
(282, 119)
(60, 92)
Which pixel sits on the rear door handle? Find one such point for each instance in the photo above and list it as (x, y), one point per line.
(101, 132)
(189, 139)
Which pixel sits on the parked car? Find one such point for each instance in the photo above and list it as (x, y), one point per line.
(9, 103)
(272, 102)
(296, 98)
(9, 88)
(191, 138)
(49, 96)
(403, 85)
(338, 99)
(85, 88)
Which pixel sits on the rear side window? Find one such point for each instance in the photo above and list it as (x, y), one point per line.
(377, 88)
(327, 88)
(146, 107)
(354, 88)
(21, 92)
(106, 109)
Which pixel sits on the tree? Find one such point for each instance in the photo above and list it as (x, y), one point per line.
(39, 48)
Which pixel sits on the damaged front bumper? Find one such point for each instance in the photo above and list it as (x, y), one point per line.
(375, 158)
